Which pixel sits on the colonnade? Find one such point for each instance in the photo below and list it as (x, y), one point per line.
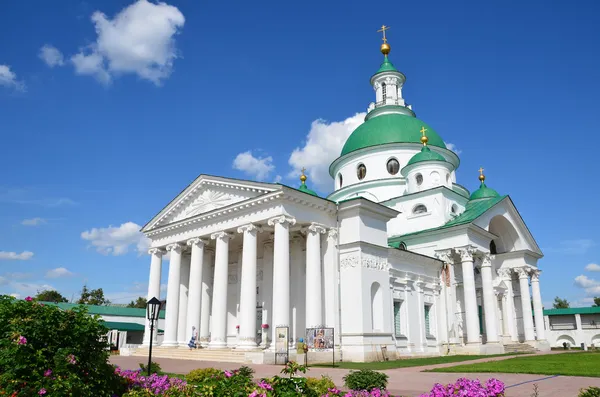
(192, 308)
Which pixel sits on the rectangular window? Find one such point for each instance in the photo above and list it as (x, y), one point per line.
(427, 329)
(397, 323)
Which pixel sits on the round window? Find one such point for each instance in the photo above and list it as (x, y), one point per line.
(361, 172)
(393, 166)
(340, 179)
(419, 179)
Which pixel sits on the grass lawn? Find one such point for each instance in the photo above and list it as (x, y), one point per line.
(569, 364)
(408, 362)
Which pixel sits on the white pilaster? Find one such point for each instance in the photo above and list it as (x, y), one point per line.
(183, 301)
(537, 305)
(247, 334)
(470, 299)
(491, 327)
(526, 304)
(314, 299)
(207, 279)
(218, 336)
(448, 297)
(281, 271)
(509, 301)
(153, 289)
(172, 310)
(195, 287)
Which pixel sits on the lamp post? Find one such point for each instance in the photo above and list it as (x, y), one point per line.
(152, 310)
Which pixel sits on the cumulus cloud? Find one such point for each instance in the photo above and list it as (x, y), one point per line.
(58, 272)
(323, 144)
(13, 256)
(139, 40)
(117, 240)
(256, 167)
(51, 55)
(33, 222)
(590, 285)
(453, 147)
(593, 267)
(9, 79)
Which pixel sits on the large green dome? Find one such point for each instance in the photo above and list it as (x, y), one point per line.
(390, 128)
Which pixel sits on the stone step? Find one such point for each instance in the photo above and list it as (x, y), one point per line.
(225, 355)
(519, 348)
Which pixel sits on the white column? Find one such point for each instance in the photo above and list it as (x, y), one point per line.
(267, 315)
(506, 275)
(153, 289)
(470, 299)
(195, 287)
(537, 305)
(218, 336)
(247, 334)
(297, 289)
(172, 310)
(314, 299)
(526, 304)
(491, 321)
(449, 297)
(183, 301)
(207, 279)
(281, 271)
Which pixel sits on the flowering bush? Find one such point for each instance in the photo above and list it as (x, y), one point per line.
(49, 352)
(467, 387)
(154, 384)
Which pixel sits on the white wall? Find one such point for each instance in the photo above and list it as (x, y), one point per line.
(558, 330)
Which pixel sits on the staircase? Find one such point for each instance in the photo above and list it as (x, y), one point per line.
(519, 348)
(181, 353)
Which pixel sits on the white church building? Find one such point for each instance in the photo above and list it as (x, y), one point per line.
(399, 257)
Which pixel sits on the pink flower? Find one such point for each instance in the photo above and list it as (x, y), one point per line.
(228, 374)
(22, 340)
(42, 391)
(71, 359)
(47, 373)
(29, 299)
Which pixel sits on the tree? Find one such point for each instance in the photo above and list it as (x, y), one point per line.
(561, 303)
(92, 297)
(50, 295)
(597, 301)
(139, 303)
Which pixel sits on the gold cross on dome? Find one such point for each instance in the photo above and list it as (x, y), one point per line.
(303, 170)
(382, 30)
(481, 171)
(423, 130)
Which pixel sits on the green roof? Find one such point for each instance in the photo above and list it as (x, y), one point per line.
(390, 128)
(305, 189)
(123, 326)
(106, 310)
(483, 192)
(473, 211)
(425, 155)
(386, 66)
(572, 310)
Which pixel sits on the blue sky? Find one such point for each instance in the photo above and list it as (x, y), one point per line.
(105, 117)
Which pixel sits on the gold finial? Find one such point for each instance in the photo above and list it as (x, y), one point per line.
(303, 177)
(481, 176)
(385, 47)
(424, 138)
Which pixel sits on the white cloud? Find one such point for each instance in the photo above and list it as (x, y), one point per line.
(30, 289)
(256, 167)
(33, 222)
(590, 285)
(18, 276)
(324, 144)
(13, 256)
(593, 267)
(4, 281)
(277, 179)
(572, 247)
(140, 40)
(51, 55)
(58, 272)
(453, 147)
(117, 240)
(15, 295)
(9, 79)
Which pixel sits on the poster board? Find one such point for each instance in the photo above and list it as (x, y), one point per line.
(282, 344)
(319, 339)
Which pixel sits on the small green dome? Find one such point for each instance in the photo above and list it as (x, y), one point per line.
(305, 189)
(390, 128)
(425, 155)
(386, 66)
(483, 192)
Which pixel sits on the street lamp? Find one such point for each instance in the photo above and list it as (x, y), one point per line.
(152, 310)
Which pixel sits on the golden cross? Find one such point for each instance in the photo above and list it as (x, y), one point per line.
(423, 130)
(382, 30)
(303, 169)
(481, 171)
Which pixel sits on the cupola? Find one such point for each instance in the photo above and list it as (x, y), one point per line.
(303, 187)
(483, 192)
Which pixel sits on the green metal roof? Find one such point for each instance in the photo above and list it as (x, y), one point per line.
(107, 310)
(473, 211)
(390, 128)
(483, 192)
(425, 155)
(305, 189)
(120, 326)
(386, 66)
(572, 310)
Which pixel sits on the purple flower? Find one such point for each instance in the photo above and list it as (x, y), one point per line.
(22, 340)
(71, 359)
(228, 374)
(42, 391)
(29, 299)
(47, 373)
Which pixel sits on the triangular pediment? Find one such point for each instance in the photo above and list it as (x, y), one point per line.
(208, 193)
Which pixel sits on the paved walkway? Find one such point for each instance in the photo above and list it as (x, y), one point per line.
(409, 382)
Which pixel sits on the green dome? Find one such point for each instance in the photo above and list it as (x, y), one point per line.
(425, 155)
(390, 128)
(386, 66)
(305, 189)
(483, 192)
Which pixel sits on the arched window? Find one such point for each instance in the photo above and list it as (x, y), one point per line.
(493, 249)
(361, 171)
(340, 179)
(419, 179)
(383, 92)
(393, 166)
(454, 209)
(448, 179)
(419, 209)
(402, 246)
(376, 307)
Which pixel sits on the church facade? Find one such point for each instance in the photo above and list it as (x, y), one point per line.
(400, 258)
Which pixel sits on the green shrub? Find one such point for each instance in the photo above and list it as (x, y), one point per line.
(365, 379)
(320, 386)
(63, 353)
(154, 368)
(202, 375)
(590, 392)
(246, 372)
